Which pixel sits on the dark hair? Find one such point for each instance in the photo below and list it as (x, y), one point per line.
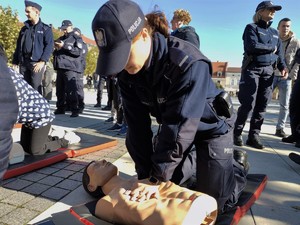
(283, 20)
(98, 193)
(157, 22)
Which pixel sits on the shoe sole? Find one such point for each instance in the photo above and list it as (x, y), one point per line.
(251, 145)
(114, 130)
(290, 142)
(295, 157)
(238, 144)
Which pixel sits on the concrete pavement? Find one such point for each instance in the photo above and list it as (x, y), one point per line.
(35, 195)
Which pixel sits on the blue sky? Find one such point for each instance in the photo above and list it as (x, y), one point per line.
(219, 23)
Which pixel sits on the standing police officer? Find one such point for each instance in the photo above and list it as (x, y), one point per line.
(80, 84)
(68, 63)
(34, 46)
(262, 53)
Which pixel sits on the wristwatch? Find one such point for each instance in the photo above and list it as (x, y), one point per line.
(154, 180)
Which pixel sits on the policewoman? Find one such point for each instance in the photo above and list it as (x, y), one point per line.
(171, 80)
(262, 54)
(69, 66)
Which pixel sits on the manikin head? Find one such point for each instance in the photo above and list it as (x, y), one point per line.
(96, 174)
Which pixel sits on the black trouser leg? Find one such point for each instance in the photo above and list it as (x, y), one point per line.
(33, 140)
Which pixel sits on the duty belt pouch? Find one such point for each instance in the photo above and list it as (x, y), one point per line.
(223, 104)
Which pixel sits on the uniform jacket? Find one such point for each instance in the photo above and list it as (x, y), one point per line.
(42, 43)
(177, 89)
(187, 33)
(290, 47)
(8, 114)
(69, 57)
(262, 42)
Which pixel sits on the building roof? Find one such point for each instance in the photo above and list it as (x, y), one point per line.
(234, 70)
(219, 67)
(88, 40)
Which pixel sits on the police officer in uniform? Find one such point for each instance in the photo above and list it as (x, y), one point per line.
(68, 63)
(171, 80)
(34, 46)
(262, 53)
(80, 84)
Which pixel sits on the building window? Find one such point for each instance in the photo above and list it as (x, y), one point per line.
(219, 74)
(232, 82)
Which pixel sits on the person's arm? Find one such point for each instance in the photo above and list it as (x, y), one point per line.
(8, 114)
(48, 45)
(74, 50)
(293, 73)
(139, 134)
(281, 60)
(15, 60)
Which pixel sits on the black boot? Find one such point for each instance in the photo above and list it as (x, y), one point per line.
(289, 139)
(255, 142)
(241, 157)
(238, 140)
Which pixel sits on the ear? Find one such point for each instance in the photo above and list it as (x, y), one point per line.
(144, 33)
(91, 187)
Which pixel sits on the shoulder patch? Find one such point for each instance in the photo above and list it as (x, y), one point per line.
(79, 44)
(184, 55)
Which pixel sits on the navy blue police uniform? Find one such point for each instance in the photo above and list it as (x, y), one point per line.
(176, 88)
(68, 63)
(34, 44)
(262, 52)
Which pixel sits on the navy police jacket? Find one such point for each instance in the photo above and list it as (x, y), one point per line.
(176, 88)
(187, 33)
(42, 43)
(262, 42)
(69, 57)
(8, 114)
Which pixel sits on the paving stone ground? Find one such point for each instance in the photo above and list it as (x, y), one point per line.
(24, 197)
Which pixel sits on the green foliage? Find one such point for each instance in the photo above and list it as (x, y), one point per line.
(91, 60)
(56, 33)
(9, 30)
(219, 85)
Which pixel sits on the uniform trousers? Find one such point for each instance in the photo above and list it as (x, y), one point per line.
(255, 91)
(80, 90)
(67, 90)
(218, 174)
(31, 77)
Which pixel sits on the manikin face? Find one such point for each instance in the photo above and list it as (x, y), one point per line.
(139, 52)
(31, 13)
(268, 14)
(284, 28)
(100, 172)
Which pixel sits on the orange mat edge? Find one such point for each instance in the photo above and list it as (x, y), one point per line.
(36, 165)
(93, 148)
